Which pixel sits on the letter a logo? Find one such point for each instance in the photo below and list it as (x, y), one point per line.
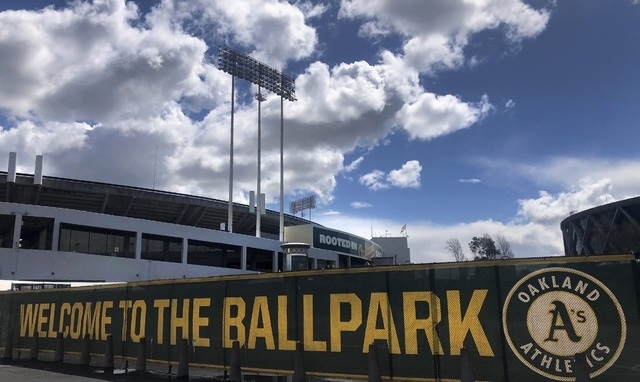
(560, 313)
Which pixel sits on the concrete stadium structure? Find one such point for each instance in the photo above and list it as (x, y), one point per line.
(609, 229)
(57, 229)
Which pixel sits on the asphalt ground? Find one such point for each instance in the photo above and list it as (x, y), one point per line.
(27, 370)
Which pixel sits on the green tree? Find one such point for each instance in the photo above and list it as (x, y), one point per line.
(483, 248)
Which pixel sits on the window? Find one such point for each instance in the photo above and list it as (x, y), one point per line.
(161, 248)
(343, 261)
(7, 223)
(97, 241)
(260, 260)
(36, 233)
(213, 254)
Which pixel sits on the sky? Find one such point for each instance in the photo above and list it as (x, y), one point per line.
(455, 118)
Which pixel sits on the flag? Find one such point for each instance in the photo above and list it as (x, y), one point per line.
(404, 228)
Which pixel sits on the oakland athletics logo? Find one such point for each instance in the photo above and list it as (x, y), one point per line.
(554, 313)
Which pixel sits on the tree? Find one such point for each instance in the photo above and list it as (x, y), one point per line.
(455, 249)
(483, 247)
(503, 245)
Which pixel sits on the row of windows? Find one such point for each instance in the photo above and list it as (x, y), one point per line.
(37, 233)
(97, 241)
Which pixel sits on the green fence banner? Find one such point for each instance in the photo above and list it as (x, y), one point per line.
(519, 320)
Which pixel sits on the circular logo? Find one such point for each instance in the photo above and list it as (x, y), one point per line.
(554, 313)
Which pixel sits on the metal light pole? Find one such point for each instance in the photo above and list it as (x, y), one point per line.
(230, 211)
(247, 68)
(260, 98)
(281, 226)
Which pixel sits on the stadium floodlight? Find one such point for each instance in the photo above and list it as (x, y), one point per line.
(306, 203)
(252, 70)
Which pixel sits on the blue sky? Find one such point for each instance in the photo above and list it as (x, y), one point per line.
(456, 118)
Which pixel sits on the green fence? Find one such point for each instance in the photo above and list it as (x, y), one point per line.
(520, 320)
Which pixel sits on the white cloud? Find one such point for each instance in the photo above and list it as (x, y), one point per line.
(358, 205)
(408, 176)
(510, 104)
(46, 138)
(374, 180)
(311, 10)
(276, 30)
(471, 180)
(89, 62)
(431, 116)
(353, 165)
(570, 172)
(341, 94)
(436, 32)
(553, 208)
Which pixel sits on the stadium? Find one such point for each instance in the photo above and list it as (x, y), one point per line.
(604, 230)
(57, 229)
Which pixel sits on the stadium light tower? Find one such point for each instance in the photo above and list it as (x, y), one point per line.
(247, 68)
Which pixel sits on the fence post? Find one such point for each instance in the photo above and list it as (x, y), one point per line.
(108, 354)
(183, 360)
(59, 354)
(35, 347)
(299, 373)
(374, 364)
(466, 374)
(580, 368)
(141, 360)
(85, 355)
(8, 346)
(235, 374)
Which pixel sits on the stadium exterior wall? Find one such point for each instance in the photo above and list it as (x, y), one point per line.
(612, 228)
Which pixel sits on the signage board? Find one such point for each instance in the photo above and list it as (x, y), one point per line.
(521, 320)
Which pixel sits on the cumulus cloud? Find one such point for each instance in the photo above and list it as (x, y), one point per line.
(555, 207)
(44, 139)
(431, 116)
(375, 180)
(341, 94)
(436, 33)
(275, 31)
(408, 176)
(89, 62)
